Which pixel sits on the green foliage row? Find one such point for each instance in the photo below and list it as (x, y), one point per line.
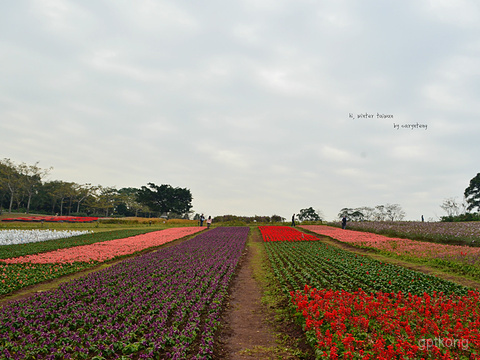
(316, 264)
(17, 276)
(465, 270)
(461, 217)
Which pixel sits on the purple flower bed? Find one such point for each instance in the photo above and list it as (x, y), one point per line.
(162, 305)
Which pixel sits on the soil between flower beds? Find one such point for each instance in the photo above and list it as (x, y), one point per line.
(248, 331)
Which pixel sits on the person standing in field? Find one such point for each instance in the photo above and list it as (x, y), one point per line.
(293, 220)
(209, 222)
(344, 222)
(202, 219)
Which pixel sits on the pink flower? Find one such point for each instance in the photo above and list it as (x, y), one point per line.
(106, 250)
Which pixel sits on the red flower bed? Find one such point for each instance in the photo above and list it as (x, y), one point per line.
(107, 249)
(390, 326)
(284, 233)
(71, 219)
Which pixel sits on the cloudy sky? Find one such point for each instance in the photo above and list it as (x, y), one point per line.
(259, 107)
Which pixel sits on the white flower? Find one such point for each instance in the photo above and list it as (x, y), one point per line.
(10, 237)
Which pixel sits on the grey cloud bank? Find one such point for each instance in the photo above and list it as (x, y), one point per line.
(247, 103)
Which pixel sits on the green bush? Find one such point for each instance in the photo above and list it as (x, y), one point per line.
(462, 217)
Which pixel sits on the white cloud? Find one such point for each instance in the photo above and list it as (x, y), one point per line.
(461, 13)
(247, 102)
(334, 154)
(232, 158)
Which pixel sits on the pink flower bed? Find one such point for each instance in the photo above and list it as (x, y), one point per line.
(108, 249)
(399, 246)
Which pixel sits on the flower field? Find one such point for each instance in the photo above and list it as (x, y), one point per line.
(161, 305)
(319, 265)
(443, 232)
(11, 237)
(27, 264)
(36, 247)
(397, 246)
(354, 307)
(357, 325)
(167, 304)
(17, 276)
(106, 250)
(284, 233)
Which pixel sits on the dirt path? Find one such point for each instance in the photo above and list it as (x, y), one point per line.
(248, 332)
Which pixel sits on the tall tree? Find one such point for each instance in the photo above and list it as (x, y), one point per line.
(472, 193)
(82, 192)
(277, 218)
(165, 199)
(63, 190)
(309, 214)
(367, 212)
(129, 201)
(395, 212)
(351, 214)
(30, 178)
(10, 179)
(107, 198)
(380, 213)
(452, 207)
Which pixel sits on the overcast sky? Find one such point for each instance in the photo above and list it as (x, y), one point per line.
(251, 104)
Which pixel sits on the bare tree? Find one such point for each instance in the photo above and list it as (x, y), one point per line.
(380, 213)
(452, 207)
(368, 212)
(394, 212)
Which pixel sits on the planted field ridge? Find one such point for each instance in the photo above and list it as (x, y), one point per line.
(355, 307)
(162, 305)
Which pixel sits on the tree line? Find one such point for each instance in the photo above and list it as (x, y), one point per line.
(23, 188)
(465, 210)
(391, 212)
(456, 211)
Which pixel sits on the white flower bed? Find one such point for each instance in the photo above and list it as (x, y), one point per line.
(9, 237)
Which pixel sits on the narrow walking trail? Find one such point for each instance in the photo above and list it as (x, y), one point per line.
(247, 334)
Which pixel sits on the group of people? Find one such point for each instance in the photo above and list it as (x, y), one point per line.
(209, 221)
